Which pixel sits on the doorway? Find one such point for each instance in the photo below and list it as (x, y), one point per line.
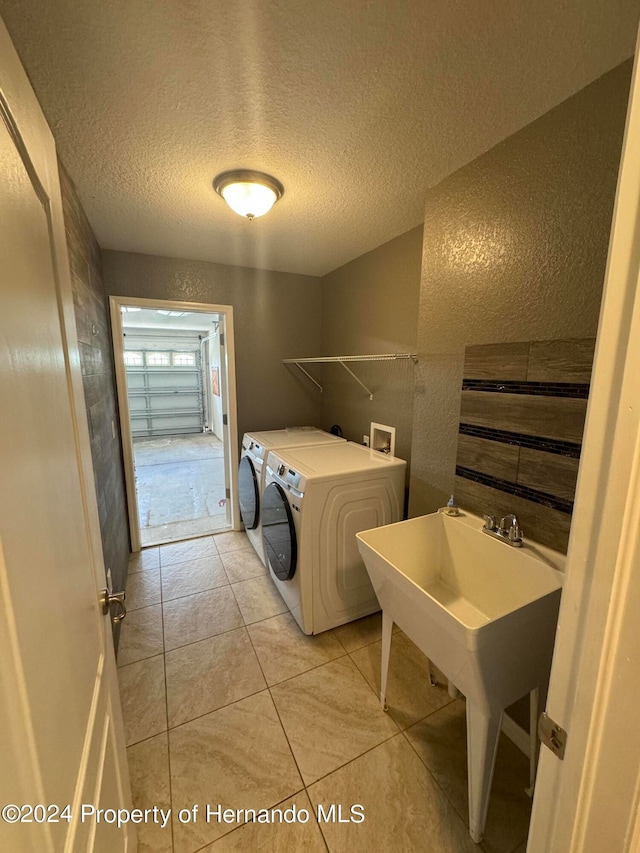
(176, 392)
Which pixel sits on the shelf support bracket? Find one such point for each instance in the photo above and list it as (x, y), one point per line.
(308, 375)
(341, 359)
(362, 385)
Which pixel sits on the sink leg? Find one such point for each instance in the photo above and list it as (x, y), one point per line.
(534, 743)
(453, 690)
(387, 628)
(482, 744)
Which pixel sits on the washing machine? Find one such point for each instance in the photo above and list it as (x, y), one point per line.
(315, 500)
(255, 447)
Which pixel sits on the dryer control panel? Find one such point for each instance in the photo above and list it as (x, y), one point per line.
(251, 447)
(289, 476)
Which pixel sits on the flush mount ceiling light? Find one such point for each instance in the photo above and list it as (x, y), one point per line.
(248, 193)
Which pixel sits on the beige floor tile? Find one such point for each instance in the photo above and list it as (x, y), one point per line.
(141, 635)
(284, 651)
(276, 837)
(331, 716)
(207, 675)
(191, 549)
(148, 558)
(195, 617)
(242, 565)
(143, 589)
(258, 599)
(232, 541)
(143, 698)
(149, 774)
(362, 632)
(404, 809)
(410, 697)
(180, 579)
(238, 757)
(440, 740)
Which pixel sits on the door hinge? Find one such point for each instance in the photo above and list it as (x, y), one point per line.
(227, 492)
(225, 420)
(221, 339)
(552, 735)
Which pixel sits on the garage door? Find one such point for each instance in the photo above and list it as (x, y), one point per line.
(165, 392)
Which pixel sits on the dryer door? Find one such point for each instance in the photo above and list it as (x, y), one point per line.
(278, 532)
(248, 493)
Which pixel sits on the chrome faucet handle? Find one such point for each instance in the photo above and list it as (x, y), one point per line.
(489, 522)
(515, 531)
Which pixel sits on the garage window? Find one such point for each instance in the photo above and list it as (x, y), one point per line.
(184, 359)
(133, 359)
(158, 359)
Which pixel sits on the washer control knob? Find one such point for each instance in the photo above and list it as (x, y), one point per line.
(281, 470)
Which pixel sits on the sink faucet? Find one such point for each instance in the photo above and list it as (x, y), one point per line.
(508, 530)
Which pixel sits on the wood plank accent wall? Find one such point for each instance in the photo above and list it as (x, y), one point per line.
(521, 423)
(96, 360)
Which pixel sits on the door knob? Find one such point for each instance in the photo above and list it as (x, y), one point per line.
(108, 598)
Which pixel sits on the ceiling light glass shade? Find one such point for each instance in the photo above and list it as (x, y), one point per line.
(248, 193)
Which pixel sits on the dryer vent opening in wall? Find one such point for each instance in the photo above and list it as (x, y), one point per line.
(383, 438)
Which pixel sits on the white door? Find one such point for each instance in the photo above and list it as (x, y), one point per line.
(589, 801)
(61, 737)
(226, 352)
(213, 381)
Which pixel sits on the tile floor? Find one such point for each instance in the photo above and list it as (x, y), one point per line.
(180, 486)
(226, 701)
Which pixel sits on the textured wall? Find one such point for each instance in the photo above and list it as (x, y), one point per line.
(276, 316)
(370, 306)
(515, 247)
(96, 358)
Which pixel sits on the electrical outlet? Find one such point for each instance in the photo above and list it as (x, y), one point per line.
(365, 440)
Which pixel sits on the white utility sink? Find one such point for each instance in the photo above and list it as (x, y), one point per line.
(484, 612)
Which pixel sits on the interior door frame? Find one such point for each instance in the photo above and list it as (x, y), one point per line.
(229, 381)
(588, 801)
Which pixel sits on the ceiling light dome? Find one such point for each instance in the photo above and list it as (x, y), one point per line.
(248, 193)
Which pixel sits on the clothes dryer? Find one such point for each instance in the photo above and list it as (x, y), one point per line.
(315, 500)
(255, 447)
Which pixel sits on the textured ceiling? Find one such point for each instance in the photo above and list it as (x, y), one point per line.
(357, 106)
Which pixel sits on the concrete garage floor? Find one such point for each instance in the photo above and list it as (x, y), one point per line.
(180, 486)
